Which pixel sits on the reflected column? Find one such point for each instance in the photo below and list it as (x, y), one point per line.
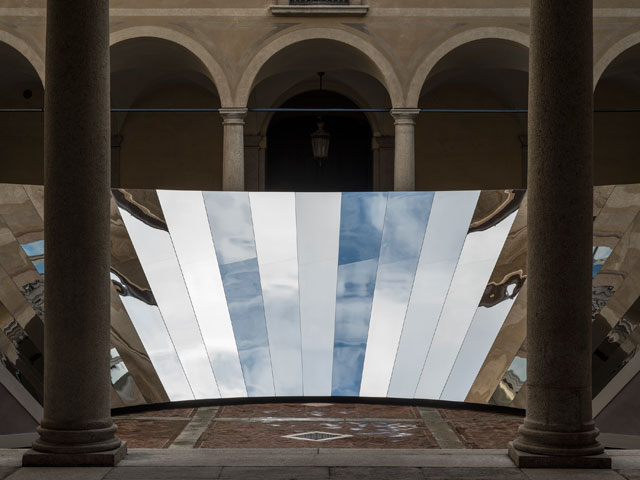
(559, 430)
(233, 148)
(77, 428)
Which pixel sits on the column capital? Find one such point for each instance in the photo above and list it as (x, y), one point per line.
(233, 115)
(405, 116)
(383, 141)
(252, 141)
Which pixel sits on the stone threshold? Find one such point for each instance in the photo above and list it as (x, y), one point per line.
(325, 457)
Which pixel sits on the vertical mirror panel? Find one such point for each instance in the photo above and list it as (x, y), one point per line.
(189, 229)
(149, 324)
(477, 261)
(449, 220)
(405, 223)
(511, 383)
(361, 222)
(158, 259)
(232, 230)
(274, 226)
(599, 257)
(35, 253)
(123, 382)
(318, 222)
(477, 343)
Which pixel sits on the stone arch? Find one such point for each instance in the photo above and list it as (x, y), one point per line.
(611, 54)
(216, 72)
(388, 75)
(26, 51)
(425, 68)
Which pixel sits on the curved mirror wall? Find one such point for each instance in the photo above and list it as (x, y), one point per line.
(399, 294)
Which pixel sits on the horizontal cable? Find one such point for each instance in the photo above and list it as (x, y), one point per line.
(314, 110)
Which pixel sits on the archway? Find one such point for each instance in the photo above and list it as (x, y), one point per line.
(174, 150)
(21, 134)
(290, 164)
(616, 149)
(289, 78)
(474, 150)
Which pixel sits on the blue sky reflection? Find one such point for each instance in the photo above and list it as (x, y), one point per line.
(361, 222)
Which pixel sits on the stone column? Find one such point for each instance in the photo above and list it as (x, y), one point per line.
(404, 170)
(76, 427)
(559, 430)
(233, 148)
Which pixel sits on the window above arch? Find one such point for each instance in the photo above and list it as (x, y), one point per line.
(320, 8)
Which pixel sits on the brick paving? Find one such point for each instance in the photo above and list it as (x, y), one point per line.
(149, 433)
(319, 410)
(368, 426)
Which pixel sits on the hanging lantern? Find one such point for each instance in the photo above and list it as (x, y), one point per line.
(320, 142)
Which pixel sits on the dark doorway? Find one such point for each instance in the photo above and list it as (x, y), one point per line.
(290, 165)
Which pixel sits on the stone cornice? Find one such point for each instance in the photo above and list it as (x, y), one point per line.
(442, 12)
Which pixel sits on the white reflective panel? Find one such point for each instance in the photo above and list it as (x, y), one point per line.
(477, 343)
(449, 220)
(189, 228)
(152, 331)
(361, 222)
(477, 261)
(274, 226)
(160, 265)
(404, 229)
(318, 221)
(232, 230)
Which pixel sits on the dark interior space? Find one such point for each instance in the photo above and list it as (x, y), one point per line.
(290, 164)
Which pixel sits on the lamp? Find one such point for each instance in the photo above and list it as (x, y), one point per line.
(320, 138)
(320, 142)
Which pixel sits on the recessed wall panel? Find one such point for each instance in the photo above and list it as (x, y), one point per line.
(274, 226)
(318, 225)
(160, 264)
(477, 261)
(449, 220)
(402, 238)
(189, 229)
(232, 230)
(361, 223)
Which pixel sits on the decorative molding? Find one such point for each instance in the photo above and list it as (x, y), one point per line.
(319, 10)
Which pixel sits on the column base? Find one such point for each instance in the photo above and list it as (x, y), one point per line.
(109, 458)
(533, 460)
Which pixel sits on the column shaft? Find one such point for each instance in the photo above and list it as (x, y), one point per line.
(77, 417)
(560, 228)
(233, 148)
(404, 170)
